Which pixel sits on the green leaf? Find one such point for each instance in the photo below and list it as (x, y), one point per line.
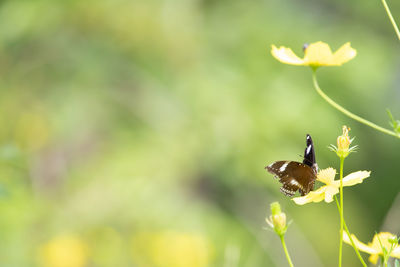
(394, 123)
(396, 263)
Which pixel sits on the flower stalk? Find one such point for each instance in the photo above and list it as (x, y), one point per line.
(277, 221)
(351, 239)
(348, 113)
(286, 251)
(387, 9)
(342, 151)
(341, 211)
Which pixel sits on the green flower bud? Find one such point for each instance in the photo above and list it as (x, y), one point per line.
(393, 240)
(277, 220)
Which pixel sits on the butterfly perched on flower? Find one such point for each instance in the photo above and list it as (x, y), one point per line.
(296, 176)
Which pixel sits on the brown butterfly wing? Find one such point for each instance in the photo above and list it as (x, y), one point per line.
(294, 176)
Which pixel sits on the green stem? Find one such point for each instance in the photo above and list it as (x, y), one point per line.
(351, 239)
(348, 113)
(341, 211)
(286, 251)
(396, 29)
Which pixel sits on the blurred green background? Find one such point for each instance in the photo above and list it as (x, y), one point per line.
(135, 133)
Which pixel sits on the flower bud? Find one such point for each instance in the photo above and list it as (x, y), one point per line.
(393, 240)
(343, 143)
(278, 219)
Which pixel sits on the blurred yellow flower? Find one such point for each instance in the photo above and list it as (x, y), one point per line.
(64, 251)
(315, 55)
(326, 192)
(374, 248)
(171, 249)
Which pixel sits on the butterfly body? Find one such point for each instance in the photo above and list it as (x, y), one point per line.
(296, 176)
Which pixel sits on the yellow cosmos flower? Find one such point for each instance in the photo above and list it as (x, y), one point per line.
(326, 192)
(374, 248)
(315, 55)
(64, 251)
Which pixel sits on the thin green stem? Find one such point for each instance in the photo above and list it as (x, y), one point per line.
(348, 113)
(386, 260)
(286, 251)
(389, 253)
(351, 239)
(341, 211)
(396, 29)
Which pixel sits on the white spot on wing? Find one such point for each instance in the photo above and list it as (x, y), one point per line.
(283, 167)
(287, 192)
(294, 182)
(308, 149)
(315, 168)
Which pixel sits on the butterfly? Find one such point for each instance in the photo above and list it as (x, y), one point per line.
(295, 175)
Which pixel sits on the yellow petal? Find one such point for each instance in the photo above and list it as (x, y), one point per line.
(318, 54)
(361, 246)
(373, 258)
(343, 54)
(326, 175)
(330, 192)
(396, 252)
(313, 196)
(286, 55)
(355, 178)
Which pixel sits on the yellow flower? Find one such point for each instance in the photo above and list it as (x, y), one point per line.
(64, 251)
(374, 248)
(326, 192)
(315, 55)
(171, 249)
